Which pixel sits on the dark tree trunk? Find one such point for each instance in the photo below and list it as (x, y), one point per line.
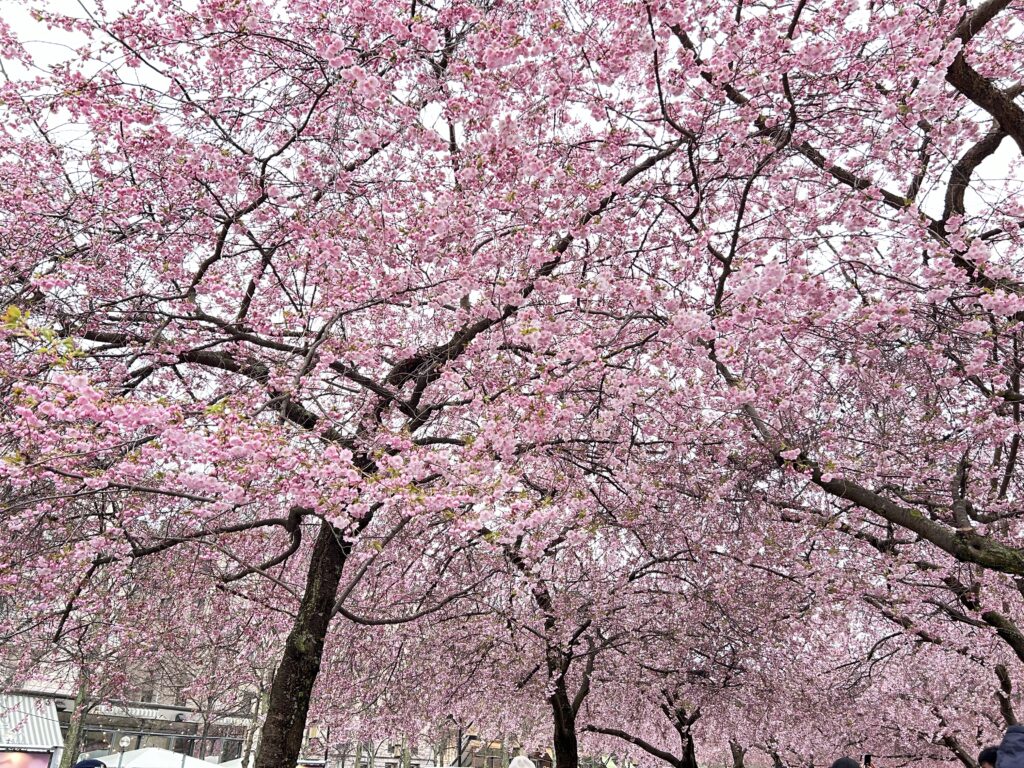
(285, 724)
(689, 759)
(566, 741)
(563, 707)
(738, 753)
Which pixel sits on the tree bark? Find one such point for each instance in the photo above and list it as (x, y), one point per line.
(74, 738)
(566, 741)
(689, 753)
(738, 754)
(288, 705)
(958, 749)
(204, 733)
(250, 742)
(1005, 695)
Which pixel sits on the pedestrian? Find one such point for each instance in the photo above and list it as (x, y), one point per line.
(987, 757)
(522, 761)
(1011, 749)
(89, 763)
(849, 762)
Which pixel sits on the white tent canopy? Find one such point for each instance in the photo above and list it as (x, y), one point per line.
(29, 723)
(152, 757)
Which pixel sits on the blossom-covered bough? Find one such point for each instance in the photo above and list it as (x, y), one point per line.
(406, 313)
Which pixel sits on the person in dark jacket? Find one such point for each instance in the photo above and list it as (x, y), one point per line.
(1011, 750)
(987, 757)
(849, 762)
(90, 763)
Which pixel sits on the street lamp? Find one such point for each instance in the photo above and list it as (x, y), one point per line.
(123, 742)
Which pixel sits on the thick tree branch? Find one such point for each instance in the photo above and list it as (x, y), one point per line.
(974, 22)
(1004, 695)
(960, 176)
(1007, 630)
(986, 95)
(646, 746)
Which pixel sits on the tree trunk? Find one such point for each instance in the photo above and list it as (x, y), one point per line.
(566, 742)
(74, 738)
(204, 733)
(738, 753)
(689, 759)
(288, 706)
(249, 743)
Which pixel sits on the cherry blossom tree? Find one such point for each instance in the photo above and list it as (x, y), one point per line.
(294, 291)
(195, 317)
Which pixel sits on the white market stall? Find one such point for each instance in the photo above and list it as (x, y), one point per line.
(152, 757)
(30, 734)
